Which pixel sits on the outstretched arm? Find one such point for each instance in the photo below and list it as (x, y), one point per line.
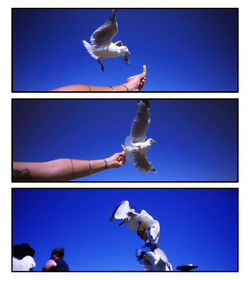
(64, 169)
(133, 83)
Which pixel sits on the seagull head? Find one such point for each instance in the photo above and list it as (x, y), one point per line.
(124, 50)
(151, 141)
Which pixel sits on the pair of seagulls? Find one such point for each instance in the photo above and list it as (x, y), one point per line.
(102, 47)
(149, 230)
(142, 223)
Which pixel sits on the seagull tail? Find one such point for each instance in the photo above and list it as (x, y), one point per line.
(89, 48)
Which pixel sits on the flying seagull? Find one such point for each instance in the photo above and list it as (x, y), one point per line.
(154, 260)
(136, 144)
(137, 222)
(102, 47)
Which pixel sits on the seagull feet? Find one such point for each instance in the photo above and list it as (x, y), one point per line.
(102, 66)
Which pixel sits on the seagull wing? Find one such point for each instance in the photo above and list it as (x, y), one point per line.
(142, 258)
(169, 266)
(118, 43)
(105, 33)
(146, 214)
(147, 265)
(121, 211)
(163, 264)
(155, 232)
(161, 255)
(141, 163)
(141, 121)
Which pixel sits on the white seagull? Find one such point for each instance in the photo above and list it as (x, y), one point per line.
(102, 47)
(137, 222)
(155, 260)
(136, 144)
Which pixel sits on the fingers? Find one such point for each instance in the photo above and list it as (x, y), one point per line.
(142, 82)
(121, 158)
(142, 75)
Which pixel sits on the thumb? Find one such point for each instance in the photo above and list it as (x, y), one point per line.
(142, 75)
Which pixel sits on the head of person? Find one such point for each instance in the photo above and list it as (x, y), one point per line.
(22, 250)
(57, 253)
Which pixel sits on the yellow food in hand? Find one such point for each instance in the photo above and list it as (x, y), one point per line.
(144, 69)
(123, 148)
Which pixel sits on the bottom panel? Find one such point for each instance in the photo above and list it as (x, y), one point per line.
(168, 228)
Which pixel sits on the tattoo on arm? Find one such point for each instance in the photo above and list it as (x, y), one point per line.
(22, 175)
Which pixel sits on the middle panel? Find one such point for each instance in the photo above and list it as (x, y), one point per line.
(163, 140)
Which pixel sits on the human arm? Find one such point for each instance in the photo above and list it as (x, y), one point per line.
(64, 169)
(133, 83)
(49, 264)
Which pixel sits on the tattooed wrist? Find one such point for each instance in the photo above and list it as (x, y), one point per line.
(22, 175)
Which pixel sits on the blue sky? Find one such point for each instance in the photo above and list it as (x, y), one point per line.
(197, 139)
(198, 226)
(184, 49)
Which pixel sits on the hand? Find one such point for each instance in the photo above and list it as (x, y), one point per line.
(136, 82)
(116, 160)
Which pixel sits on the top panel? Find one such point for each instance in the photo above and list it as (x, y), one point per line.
(184, 50)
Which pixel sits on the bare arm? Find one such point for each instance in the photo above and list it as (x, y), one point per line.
(133, 83)
(49, 264)
(64, 169)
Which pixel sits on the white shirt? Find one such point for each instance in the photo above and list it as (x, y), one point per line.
(24, 264)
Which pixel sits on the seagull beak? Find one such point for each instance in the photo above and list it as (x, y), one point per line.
(154, 141)
(128, 52)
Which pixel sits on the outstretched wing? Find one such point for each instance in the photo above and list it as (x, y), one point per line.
(105, 33)
(121, 211)
(141, 163)
(141, 121)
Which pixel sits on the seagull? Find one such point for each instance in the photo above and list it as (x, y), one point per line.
(137, 222)
(154, 260)
(102, 47)
(136, 144)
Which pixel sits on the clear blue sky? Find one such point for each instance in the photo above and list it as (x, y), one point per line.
(184, 49)
(197, 226)
(197, 139)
